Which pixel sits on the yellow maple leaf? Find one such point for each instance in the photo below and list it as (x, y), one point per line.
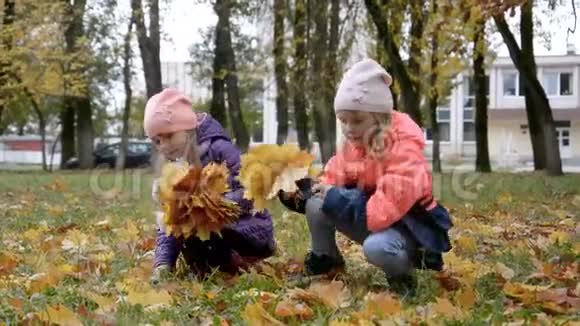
(255, 315)
(286, 308)
(379, 305)
(466, 298)
(466, 244)
(444, 308)
(559, 237)
(505, 272)
(106, 304)
(195, 203)
(60, 315)
(8, 262)
(147, 296)
(332, 294)
(266, 169)
(128, 233)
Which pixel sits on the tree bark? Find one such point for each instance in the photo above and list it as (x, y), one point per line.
(41, 129)
(299, 75)
(67, 121)
(280, 68)
(85, 132)
(433, 96)
(127, 55)
(81, 104)
(332, 76)
(482, 162)
(242, 137)
(9, 14)
(410, 96)
(218, 107)
(320, 51)
(540, 119)
(149, 44)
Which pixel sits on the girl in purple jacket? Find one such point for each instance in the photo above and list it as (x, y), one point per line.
(180, 134)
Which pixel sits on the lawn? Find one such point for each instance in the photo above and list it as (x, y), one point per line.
(77, 248)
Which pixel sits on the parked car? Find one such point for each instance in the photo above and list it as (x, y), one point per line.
(138, 155)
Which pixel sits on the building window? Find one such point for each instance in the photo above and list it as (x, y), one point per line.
(444, 123)
(512, 84)
(558, 83)
(469, 108)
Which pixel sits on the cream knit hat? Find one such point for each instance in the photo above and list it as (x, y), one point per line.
(365, 87)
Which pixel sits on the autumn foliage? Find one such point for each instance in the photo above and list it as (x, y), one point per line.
(267, 169)
(193, 200)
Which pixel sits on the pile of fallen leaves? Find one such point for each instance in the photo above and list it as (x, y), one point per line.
(193, 200)
(69, 257)
(266, 169)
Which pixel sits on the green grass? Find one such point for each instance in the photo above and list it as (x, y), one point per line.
(33, 200)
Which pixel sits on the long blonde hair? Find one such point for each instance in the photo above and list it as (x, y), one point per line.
(190, 154)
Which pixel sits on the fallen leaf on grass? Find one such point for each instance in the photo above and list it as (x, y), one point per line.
(505, 272)
(444, 308)
(466, 244)
(293, 309)
(448, 281)
(334, 295)
(379, 305)
(106, 304)
(59, 314)
(8, 262)
(255, 315)
(466, 298)
(148, 296)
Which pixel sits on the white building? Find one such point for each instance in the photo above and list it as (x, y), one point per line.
(508, 132)
(509, 138)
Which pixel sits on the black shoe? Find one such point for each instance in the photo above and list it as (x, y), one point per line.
(404, 285)
(323, 264)
(297, 201)
(428, 260)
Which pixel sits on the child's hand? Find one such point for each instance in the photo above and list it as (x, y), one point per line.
(320, 189)
(160, 273)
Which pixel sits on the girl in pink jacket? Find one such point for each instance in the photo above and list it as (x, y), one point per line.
(377, 189)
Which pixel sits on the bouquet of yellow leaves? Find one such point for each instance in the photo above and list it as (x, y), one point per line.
(267, 169)
(193, 200)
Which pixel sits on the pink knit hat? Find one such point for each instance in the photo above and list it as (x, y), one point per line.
(365, 87)
(168, 111)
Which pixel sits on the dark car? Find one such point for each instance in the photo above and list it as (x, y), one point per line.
(138, 155)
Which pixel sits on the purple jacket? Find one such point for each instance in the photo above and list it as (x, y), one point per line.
(254, 228)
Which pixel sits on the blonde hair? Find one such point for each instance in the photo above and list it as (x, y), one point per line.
(190, 154)
(377, 134)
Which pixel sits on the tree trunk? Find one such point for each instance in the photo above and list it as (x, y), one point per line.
(299, 75)
(41, 128)
(433, 95)
(218, 107)
(9, 14)
(321, 115)
(127, 55)
(85, 133)
(280, 68)
(52, 151)
(242, 138)
(67, 121)
(410, 96)
(539, 110)
(149, 44)
(332, 79)
(75, 108)
(482, 163)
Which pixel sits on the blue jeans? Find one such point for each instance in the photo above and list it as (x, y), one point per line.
(391, 250)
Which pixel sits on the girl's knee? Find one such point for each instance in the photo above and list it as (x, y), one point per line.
(387, 252)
